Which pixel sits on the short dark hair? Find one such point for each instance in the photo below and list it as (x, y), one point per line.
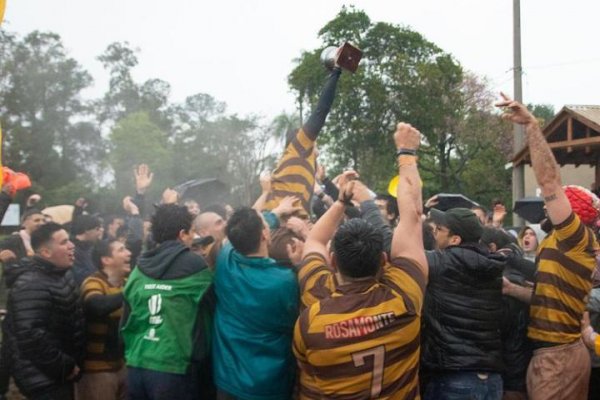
(428, 237)
(168, 220)
(29, 213)
(102, 248)
(357, 246)
(278, 246)
(85, 223)
(244, 230)
(391, 204)
(499, 237)
(43, 235)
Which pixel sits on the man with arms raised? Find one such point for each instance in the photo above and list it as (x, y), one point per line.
(45, 321)
(560, 366)
(257, 306)
(359, 338)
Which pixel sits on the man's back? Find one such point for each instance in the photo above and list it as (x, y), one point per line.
(362, 340)
(257, 306)
(463, 310)
(164, 295)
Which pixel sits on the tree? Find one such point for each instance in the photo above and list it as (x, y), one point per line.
(135, 140)
(125, 96)
(40, 98)
(543, 112)
(403, 77)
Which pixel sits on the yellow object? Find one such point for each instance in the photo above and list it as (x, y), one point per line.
(393, 186)
(2, 7)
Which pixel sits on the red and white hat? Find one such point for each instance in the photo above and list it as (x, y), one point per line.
(584, 203)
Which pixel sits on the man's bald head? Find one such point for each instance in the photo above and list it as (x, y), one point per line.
(210, 224)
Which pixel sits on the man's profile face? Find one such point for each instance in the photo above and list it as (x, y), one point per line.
(442, 236)
(33, 222)
(382, 206)
(120, 258)
(59, 250)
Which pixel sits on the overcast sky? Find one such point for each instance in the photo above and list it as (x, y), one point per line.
(241, 51)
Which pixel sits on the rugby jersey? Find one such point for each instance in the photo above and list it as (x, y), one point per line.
(359, 340)
(563, 281)
(295, 173)
(103, 351)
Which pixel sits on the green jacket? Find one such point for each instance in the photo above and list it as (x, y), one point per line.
(168, 310)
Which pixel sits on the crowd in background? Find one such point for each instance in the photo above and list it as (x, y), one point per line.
(319, 290)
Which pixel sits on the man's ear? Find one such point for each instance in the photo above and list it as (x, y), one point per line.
(45, 252)
(384, 259)
(493, 247)
(334, 263)
(455, 240)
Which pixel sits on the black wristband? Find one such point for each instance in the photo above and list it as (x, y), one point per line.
(406, 152)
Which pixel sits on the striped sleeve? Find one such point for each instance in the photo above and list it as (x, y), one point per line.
(572, 235)
(92, 286)
(316, 279)
(295, 173)
(406, 277)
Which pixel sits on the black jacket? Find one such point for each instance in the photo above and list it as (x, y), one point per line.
(516, 348)
(44, 326)
(463, 311)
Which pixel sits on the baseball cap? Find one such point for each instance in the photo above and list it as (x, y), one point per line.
(461, 221)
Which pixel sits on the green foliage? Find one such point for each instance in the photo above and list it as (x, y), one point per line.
(136, 140)
(543, 112)
(403, 77)
(39, 100)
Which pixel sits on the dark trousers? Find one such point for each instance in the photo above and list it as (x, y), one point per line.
(62, 392)
(145, 384)
(464, 385)
(594, 392)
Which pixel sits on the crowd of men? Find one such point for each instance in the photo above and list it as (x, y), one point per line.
(320, 290)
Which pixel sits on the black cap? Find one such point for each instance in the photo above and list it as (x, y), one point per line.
(461, 221)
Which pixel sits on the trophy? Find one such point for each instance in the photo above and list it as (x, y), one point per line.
(346, 56)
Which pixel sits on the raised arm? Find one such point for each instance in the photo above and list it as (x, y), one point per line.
(545, 168)
(323, 231)
(408, 237)
(315, 122)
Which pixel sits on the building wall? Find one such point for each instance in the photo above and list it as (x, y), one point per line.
(584, 175)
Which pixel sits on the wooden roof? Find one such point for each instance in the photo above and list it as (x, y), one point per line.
(573, 135)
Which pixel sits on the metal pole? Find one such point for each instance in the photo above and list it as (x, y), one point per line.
(518, 173)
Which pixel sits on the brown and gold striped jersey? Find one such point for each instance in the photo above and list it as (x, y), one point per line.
(295, 173)
(359, 340)
(564, 279)
(103, 350)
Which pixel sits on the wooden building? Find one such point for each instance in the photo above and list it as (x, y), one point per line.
(574, 137)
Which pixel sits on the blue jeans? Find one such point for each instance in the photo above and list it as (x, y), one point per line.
(145, 384)
(464, 386)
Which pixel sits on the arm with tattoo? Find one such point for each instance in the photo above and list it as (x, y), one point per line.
(545, 167)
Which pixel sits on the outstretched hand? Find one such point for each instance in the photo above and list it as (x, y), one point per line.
(287, 205)
(515, 112)
(143, 178)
